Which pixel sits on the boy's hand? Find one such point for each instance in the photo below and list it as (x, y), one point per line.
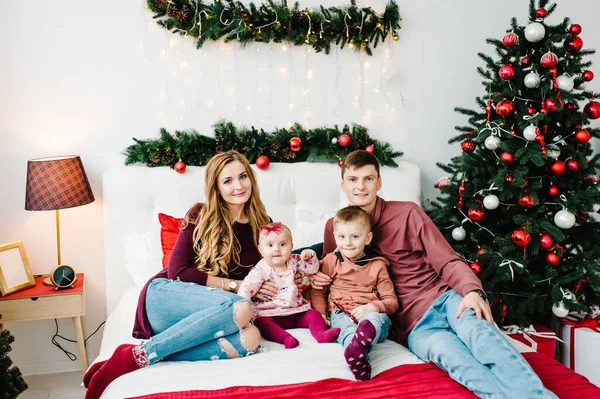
(319, 281)
(326, 320)
(307, 254)
(360, 311)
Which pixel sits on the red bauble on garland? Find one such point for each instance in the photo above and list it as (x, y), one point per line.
(505, 108)
(572, 164)
(587, 76)
(344, 140)
(520, 237)
(506, 72)
(370, 149)
(475, 267)
(525, 201)
(541, 13)
(476, 215)
(582, 136)
(592, 109)
(507, 157)
(340, 162)
(546, 240)
(295, 144)
(263, 162)
(552, 259)
(525, 60)
(549, 60)
(509, 179)
(573, 44)
(575, 29)
(468, 145)
(553, 191)
(511, 39)
(558, 168)
(180, 167)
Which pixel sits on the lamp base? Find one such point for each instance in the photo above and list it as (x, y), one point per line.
(48, 282)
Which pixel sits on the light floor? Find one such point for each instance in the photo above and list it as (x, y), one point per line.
(54, 386)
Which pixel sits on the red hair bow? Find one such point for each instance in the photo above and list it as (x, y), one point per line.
(276, 228)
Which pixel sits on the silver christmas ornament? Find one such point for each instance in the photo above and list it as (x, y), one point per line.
(532, 80)
(553, 151)
(534, 32)
(530, 132)
(492, 143)
(564, 219)
(459, 234)
(565, 83)
(560, 310)
(491, 202)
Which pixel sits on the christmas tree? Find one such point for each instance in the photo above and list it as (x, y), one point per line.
(11, 380)
(519, 202)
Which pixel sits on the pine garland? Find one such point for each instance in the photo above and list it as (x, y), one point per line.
(359, 27)
(195, 149)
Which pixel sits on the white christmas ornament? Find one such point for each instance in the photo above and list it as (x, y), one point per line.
(491, 202)
(492, 143)
(559, 309)
(532, 80)
(565, 83)
(334, 140)
(534, 32)
(564, 219)
(530, 132)
(459, 234)
(553, 151)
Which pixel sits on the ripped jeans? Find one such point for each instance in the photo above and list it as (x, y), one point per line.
(188, 322)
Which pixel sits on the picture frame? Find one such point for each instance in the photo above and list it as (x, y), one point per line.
(15, 271)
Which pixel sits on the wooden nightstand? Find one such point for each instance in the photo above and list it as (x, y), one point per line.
(42, 302)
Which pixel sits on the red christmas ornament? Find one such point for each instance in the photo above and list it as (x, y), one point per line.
(525, 60)
(575, 29)
(546, 240)
(573, 44)
(504, 310)
(582, 136)
(461, 192)
(370, 149)
(541, 13)
(344, 140)
(553, 191)
(531, 111)
(509, 179)
(468, 145)
(507, 157)
(475, 267)
(520, 237)
(476, 215)
(295, 144)
(511, 39)
(592, 178)
(180, 167)
(572, 165)
(558, 167)
(506, 72)
(592, 109)
(552, 259)
(340, 162)
(505, 108)
(550, 104)
(263, 162)
(525, 201)
(549, 60)
(587, 76)
(570, 106)
(480, 251)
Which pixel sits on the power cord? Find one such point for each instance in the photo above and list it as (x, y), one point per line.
(70, 355)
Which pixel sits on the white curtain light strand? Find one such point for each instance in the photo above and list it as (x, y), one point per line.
(200, 23)
(337, 82)
(510, 263)
(309, 28)
(346, 23)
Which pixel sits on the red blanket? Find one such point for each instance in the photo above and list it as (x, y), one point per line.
(406, 381)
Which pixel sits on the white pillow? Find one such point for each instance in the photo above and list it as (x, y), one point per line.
(307, 234)
(143, 256)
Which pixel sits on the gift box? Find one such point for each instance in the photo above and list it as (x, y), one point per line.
(581, 348)
(539, 338)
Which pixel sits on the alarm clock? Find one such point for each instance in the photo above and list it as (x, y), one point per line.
(63, 276)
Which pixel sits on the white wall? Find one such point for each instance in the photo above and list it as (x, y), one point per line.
(85, 77)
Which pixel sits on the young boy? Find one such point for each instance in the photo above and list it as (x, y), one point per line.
(360, 295)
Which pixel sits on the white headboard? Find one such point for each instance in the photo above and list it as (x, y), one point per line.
(301, 195)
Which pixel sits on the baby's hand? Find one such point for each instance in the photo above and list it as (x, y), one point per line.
(307, 254)
(360, 311)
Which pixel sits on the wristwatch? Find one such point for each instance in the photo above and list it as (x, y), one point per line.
(232, 285)
(481, 294)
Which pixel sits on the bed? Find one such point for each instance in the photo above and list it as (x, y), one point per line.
(304, 196)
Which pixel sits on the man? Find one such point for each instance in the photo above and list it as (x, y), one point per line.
(443, 311)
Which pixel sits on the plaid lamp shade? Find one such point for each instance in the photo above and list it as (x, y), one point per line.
(56, 183)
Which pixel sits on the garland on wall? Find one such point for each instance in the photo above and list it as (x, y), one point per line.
(296, 144)
(357, 27)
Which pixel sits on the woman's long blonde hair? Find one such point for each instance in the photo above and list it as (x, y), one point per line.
(215, 243)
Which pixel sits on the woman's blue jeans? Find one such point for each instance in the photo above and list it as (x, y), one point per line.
(474, 352)
(189, 321)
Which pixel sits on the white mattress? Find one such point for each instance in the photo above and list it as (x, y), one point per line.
(274, 366)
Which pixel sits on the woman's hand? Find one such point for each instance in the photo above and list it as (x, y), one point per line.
(319, 281)
(266, 292)
(326, 320)
(361, 310)
(299, 278)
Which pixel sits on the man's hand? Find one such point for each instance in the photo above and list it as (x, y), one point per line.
(308, 254)
(473, 301)
(267, 291)
(360, 311)
(319, 281)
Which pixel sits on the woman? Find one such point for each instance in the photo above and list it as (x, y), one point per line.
(190, 310)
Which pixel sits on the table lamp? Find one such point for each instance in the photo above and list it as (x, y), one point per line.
(56, 183)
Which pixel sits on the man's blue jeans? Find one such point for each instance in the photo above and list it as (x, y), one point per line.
(188, 322)
(474, 352)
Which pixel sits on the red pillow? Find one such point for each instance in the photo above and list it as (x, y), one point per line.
(169, 231)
